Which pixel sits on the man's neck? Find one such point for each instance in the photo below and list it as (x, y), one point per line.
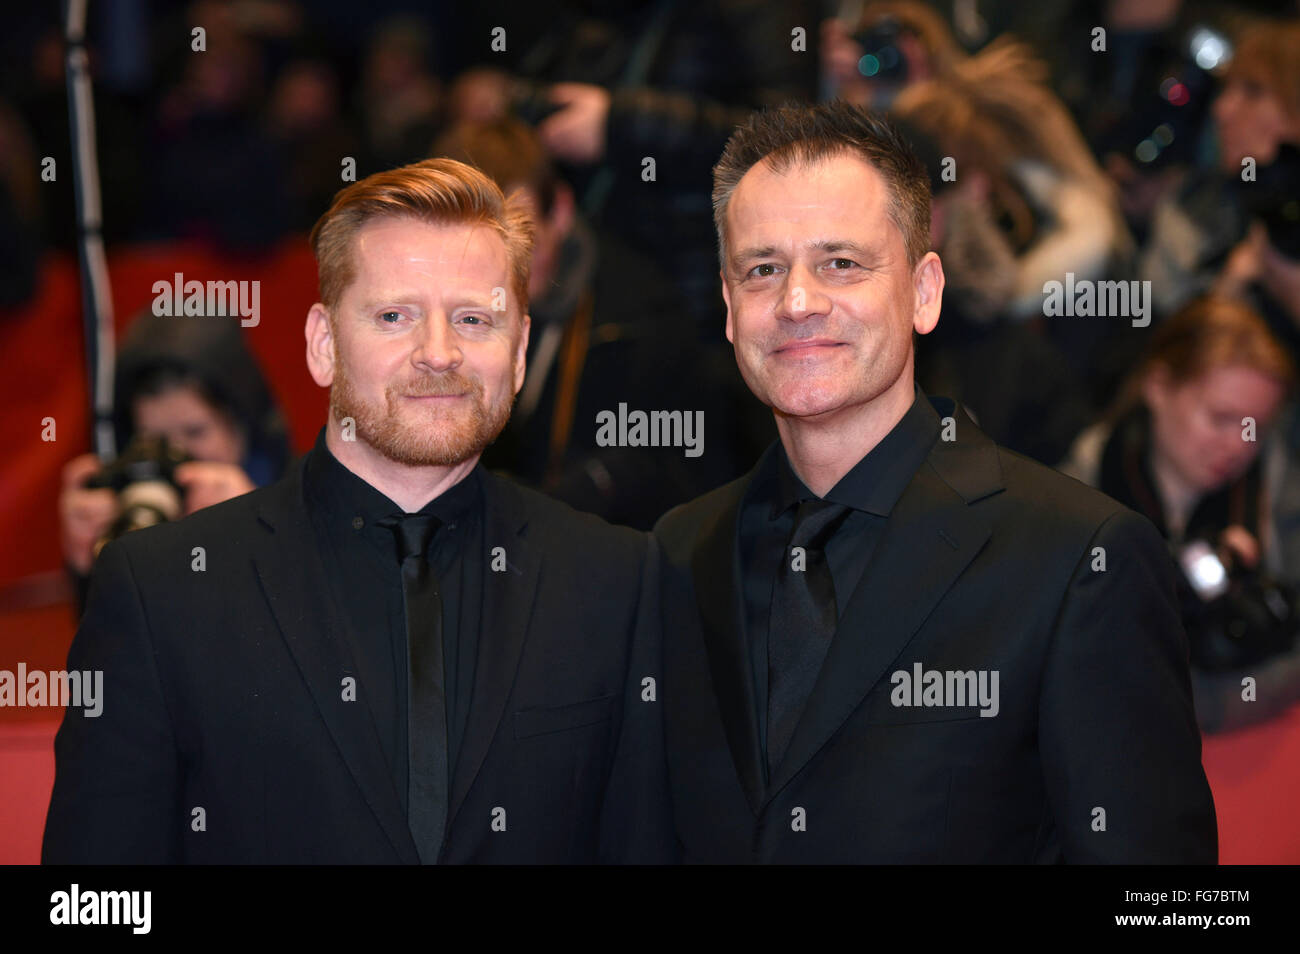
(407, 486)
(823, 451)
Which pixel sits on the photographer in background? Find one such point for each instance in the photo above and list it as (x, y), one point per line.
(193, 382)
(623, 82)
(1182, 446)
(1264, 270)
(1196, 227)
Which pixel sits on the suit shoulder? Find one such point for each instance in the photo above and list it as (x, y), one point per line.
(555, 522)
(679, 528)
(1046, 497)
(232, 520)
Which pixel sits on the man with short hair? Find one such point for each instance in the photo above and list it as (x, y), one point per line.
(894, 641)
(391, 656)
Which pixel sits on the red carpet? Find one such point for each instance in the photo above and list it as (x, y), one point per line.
(26, 775)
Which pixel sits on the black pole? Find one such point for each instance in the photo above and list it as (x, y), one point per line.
(96, 299)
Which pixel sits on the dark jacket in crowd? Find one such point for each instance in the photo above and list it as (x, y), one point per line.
(682, 75)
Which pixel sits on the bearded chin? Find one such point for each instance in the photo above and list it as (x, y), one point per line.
(415, 435)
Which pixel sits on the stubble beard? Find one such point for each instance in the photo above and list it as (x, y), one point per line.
(412, 434)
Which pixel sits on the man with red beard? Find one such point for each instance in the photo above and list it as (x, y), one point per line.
(391, 656)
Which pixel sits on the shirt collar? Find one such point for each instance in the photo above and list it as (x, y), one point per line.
(347, 499)
(874, 483)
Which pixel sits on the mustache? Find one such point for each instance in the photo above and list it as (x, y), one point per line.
(450, 383)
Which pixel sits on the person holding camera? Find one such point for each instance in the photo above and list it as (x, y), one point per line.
(1197, 228)
(191, 408)
(1181, 445)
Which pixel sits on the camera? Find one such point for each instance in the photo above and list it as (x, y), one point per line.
(144, 479)
(1161, 123)
(1236, 616)
(882, 58)
(531, 103)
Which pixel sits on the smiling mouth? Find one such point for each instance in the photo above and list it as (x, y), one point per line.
(805, 346)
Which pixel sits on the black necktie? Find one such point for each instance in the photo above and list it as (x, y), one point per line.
(802, 622)
(426, 706)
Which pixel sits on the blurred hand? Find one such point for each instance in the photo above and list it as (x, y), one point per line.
(84, 515)
(1242, 543)
(207, 482)
(577, 132)
(1244, 265)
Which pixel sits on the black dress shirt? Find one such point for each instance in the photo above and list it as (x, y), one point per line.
(870, 490)
(365, 574)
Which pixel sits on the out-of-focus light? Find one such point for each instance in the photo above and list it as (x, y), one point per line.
(1163, 135)
(1209, 49)
(868, 65)
(1178, 95)
(1146, 151)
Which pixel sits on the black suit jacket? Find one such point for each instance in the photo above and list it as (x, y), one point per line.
(988, 562)
(224, 691)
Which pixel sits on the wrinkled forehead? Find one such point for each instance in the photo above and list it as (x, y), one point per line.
(835, 197)
(409, 258)
(399, 241)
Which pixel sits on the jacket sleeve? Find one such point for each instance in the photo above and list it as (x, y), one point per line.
(636, 818)
(1120, 745)
(117, 776)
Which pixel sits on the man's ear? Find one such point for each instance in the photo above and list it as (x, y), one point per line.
(320, 345)
(726, 297)
(521, 352)
(927, 279)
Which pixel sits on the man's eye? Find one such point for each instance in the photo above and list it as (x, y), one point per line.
(840, 263)
(391, 316)
(475, 319)
(763, 271)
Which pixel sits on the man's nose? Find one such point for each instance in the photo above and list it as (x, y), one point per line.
(803, 295)
(437, 346)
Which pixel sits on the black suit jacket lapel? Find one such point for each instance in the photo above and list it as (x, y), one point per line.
(294, 582)
(719, 595)
(931, 537)
(507, 607)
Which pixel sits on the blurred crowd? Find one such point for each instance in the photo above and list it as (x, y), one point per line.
(1154, 143)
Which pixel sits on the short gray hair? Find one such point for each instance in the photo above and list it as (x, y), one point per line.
(797, 134)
